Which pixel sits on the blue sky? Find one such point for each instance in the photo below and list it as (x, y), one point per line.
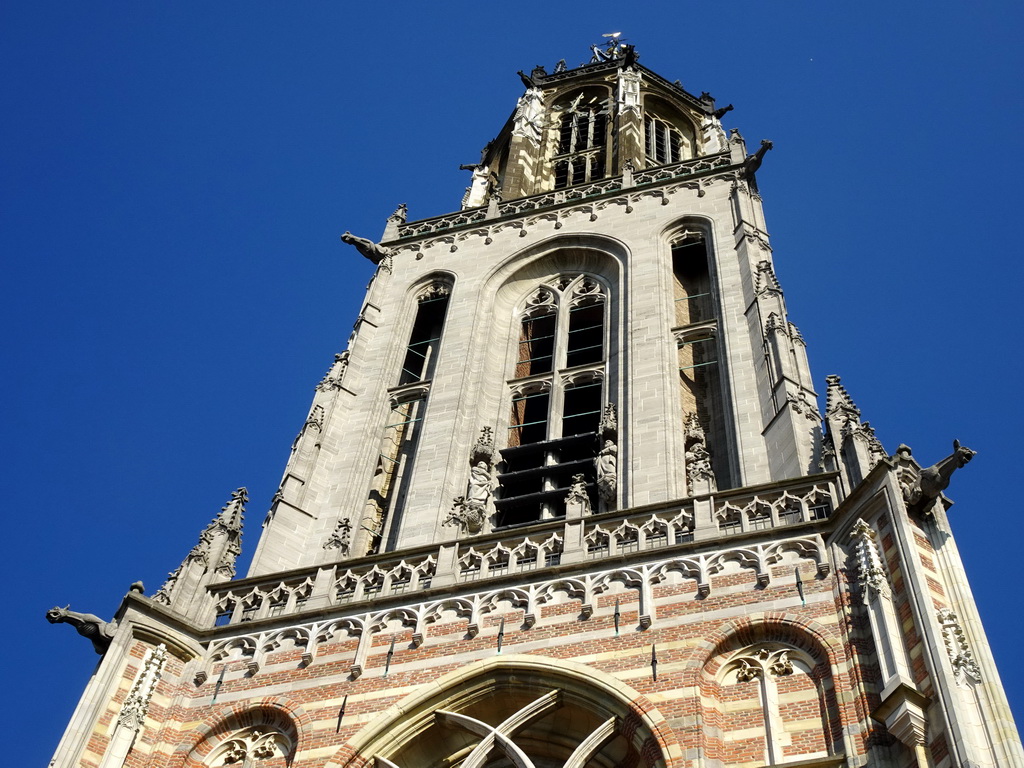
(175, 176)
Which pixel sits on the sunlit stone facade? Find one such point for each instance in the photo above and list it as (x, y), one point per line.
(567, 499)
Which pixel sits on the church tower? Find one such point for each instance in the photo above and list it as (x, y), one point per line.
(567, 499)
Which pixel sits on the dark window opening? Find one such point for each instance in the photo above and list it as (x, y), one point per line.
(555, 558)
(586, 335)
(582, 135)
(536, 346)
(700, 383)
(693, 283)
(561, 174)
(537, 477)
(529, 422)
(426, 333)
(582, 410)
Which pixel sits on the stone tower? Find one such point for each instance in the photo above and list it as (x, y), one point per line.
(567, 499)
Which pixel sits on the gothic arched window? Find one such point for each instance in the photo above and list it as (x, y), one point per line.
(667, 137)
(771, 703)
(404, 422)
(700, 386)
(580, 154)
(557, 399)
(425, 337)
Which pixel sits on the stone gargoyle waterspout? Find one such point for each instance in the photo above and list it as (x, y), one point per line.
(933, 480)
(100, 632)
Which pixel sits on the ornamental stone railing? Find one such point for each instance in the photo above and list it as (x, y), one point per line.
(700, 166)
(547, 547)
(468, 608)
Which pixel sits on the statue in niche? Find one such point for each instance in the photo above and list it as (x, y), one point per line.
(375, 252)
(933, 480)
(469, 517)
(99, 632)
(607, 471)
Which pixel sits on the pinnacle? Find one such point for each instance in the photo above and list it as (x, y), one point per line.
(232, 513)
(838, 399)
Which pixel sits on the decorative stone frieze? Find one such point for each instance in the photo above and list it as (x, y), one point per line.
(136, 705)
(961, 658)
(871, 574)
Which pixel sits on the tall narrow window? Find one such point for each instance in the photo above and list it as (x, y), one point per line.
(400, 439)
(557, 402)
(582, 138)
(426, 334)
(696, 334)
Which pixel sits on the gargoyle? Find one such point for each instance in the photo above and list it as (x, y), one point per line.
(375, 252)
(100, 632)
(753, 162)
(933, 480)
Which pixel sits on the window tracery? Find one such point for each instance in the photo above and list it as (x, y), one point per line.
(557, 400)
(580, 152)
(773, 703)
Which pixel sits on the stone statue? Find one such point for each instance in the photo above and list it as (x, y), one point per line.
(698, 465)
(100, 632)
(607, 471)
(375, 252)
(480, 485)
(933, 480)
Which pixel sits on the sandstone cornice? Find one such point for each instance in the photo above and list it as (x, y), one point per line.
(581, 195)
